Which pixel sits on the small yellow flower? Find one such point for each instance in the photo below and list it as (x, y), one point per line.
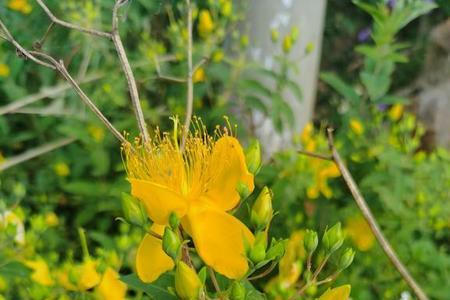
(199, 75)
(396, 112)
(226, 7)
(359, 231)
(96, 132)
(199, 186)
(20, 5)
(61, 169)
(218, 56)
(41, 273)
(89, 276)
(51, 219)
(339, 293)
(111, 288)
(205, 23)
(356, 126)
(287, 44)
(290, 266)
(8, 217)
(4, 70)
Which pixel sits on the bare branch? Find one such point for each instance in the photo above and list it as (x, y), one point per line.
(199, 64)
(190, 83)
(128, 72)
(316, 155)
(32, 153)
(171, 78)
(365, 210)
(45, 93)
(22, 51)
(62, 23)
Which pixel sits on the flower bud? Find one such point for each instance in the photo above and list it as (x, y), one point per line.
(253, 157)
(295, 33)
(237, 291)
(310, 241)
(287, 44)
(174, 221)
(187, 282)
(132, 210)
(243, 190)
(258, 251)
(274, 35)
(333, 238)
(171, 243)
(346, 258)
(262, 211)
(276, 250)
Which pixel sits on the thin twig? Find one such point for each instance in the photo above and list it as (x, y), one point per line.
(32, 153)
(316, 155)
(39, 44)
(60, 22)
(365, 210)
(22, 51)
(199, 64)
(263, 274)
(190, 82)
(170, 78)
(61, 68)
(128, 72)
(216, 285)
(45, 93)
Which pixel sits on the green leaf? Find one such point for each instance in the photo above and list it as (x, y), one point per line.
(377, 85)
(15, 269)
(255, 86)
(393, 100)
(252, 292)
(295, 88)
(256, 103)
(340, 86)
(156, 290)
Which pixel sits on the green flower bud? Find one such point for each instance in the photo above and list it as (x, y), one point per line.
(346, 258)
(287, 44)
(237, 291)
(174, 221)
(243, 190)
(276, 250)
(262, 211)
(133, 210)
(274, 35)
(253, 157)
(310, 241)
(171, 243)
(311, 290)
(258, 251)
(187, 282)
(333, 238)
(295, 33)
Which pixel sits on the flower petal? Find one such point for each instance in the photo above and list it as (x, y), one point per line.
(151, 260)
(228, 161)
(339, 293)
(219, 240)
(158, 200)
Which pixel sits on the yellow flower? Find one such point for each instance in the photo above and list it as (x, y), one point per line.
(226, 7)
(20, 5)
(290, 266)
(205, 23)
(61, 169)
(97, 133)
(199, 186)
(218, 56)
(51, 219)
(356, 126)
(287, 44)
(323, 171)
(4, 70)
(9, 217)
(199, 75)
(339, 293)
(396, 112)
(359, 231)
(41, 273)
(89, 276)
(111, 288)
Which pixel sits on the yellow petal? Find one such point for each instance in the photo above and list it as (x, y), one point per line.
(158, 200)
(228, 168)
(89, 276)
(151, 260)
(219, 240)
(339, 293)
(41, 272)
(111, 288)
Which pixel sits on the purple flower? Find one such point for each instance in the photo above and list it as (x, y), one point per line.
(364, 34)
(382, 107)
(391, 3)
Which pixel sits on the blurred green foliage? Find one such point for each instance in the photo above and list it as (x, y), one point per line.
(44, 201)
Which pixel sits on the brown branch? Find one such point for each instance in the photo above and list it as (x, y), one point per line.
(365, 210)
(35, 152)
(62, 23)
(20, 50)
(190, 83)
(132, 87)
(316, 155)
(216, 285)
